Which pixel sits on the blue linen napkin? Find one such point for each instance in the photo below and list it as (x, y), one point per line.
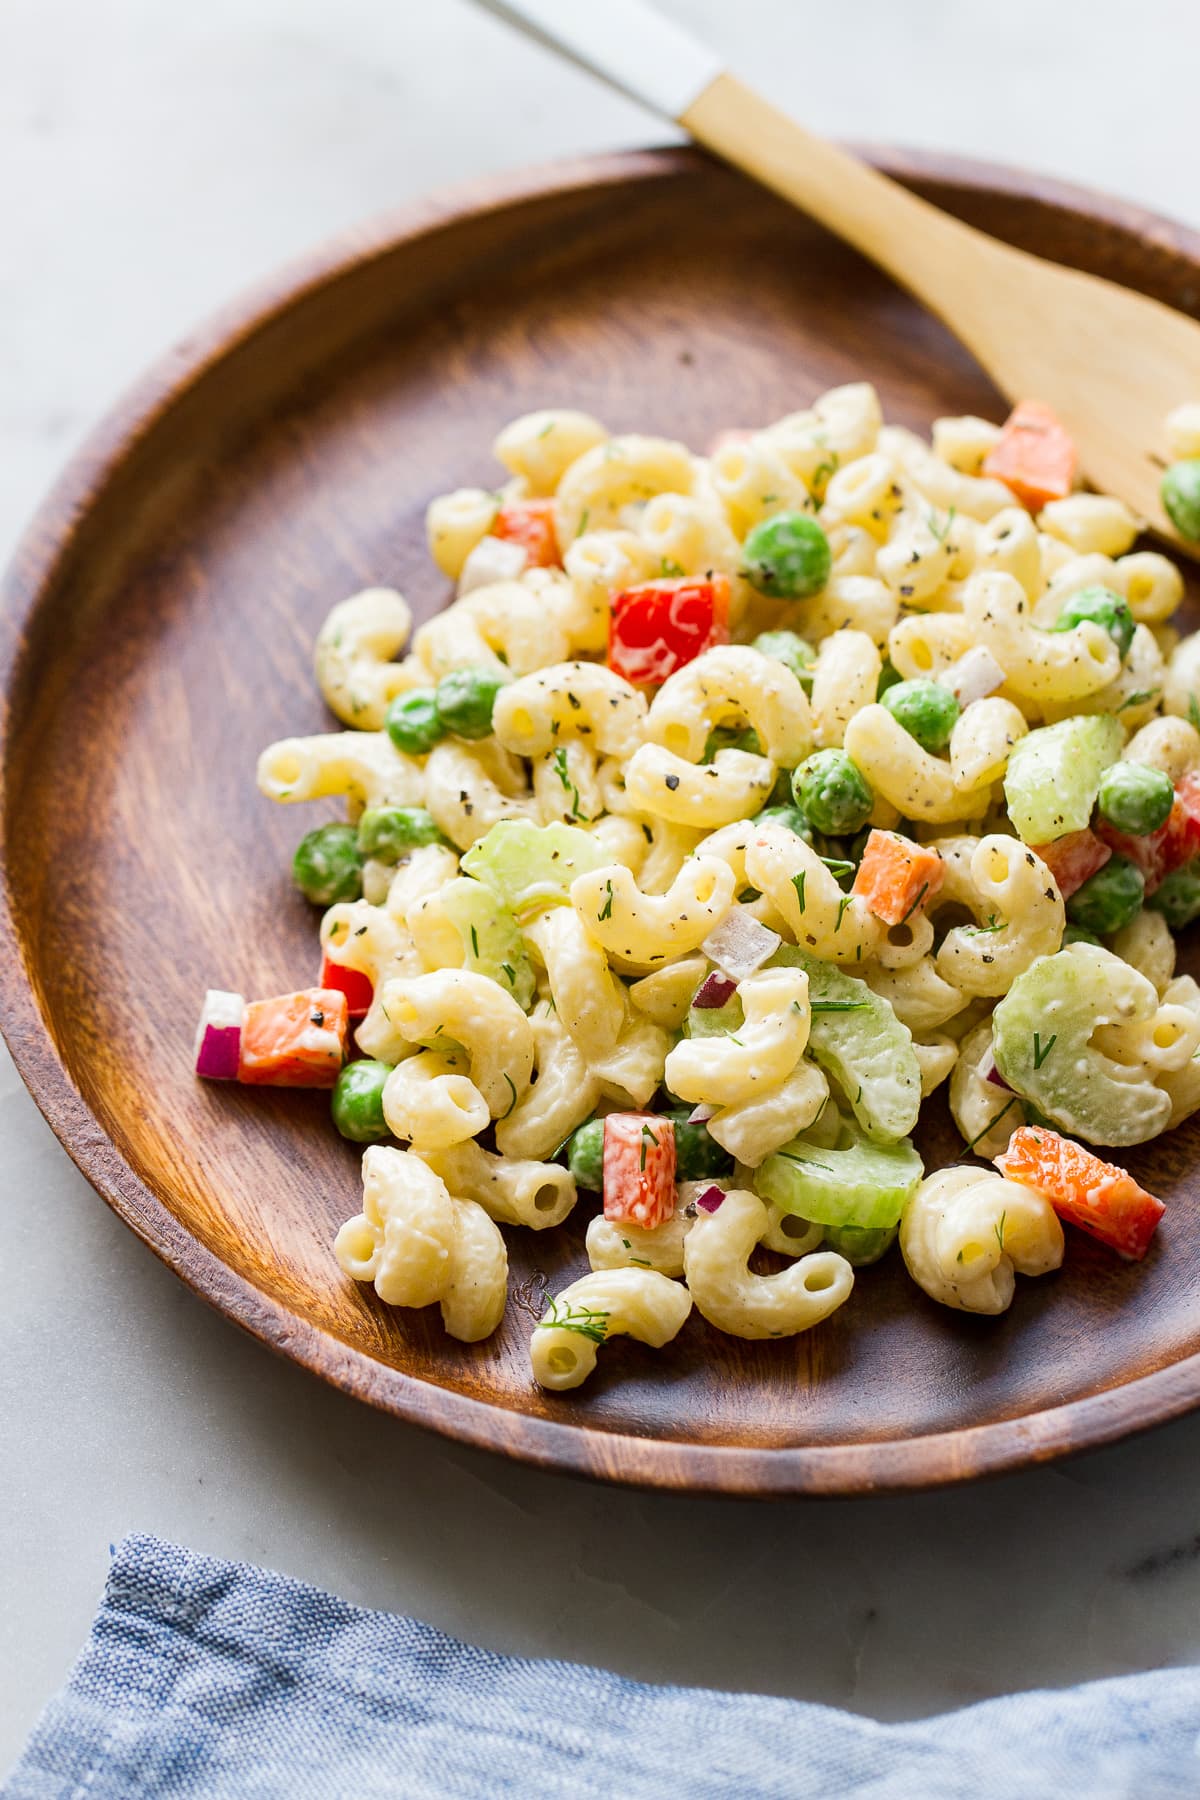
(215, 1678)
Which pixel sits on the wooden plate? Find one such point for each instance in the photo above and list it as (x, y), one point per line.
(158, 626)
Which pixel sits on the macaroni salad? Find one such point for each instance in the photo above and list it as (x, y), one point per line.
(736, 804)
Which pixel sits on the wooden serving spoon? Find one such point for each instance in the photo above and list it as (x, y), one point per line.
(1111, 364)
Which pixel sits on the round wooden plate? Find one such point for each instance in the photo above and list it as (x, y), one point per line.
(158, 625)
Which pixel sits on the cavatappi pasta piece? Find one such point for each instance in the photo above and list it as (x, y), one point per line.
(841, 425)
(965, 1234)
(732, 685)
(1171, 744)
(976, 497)
(563, 1096)
(985, 1114)
(419, 1246)
(541, 446)
(916, 993)
(589, 1000)
(750, 1130)
(613, 1245)
(924, 646)
(1151, 584)
(1183, 431)
(1008, 544)
(1181, 686)
(1182, 1086)
(1038, 665)
(505, 626)
(1093, 524)
(1147, 945)
(1164, 1043)
(431, 1103)
(734, 1067)
(471, 787)
(866, 493)
(571, 699)
(753, 482)
(364, 767)
(629, 1302)
(1019, 916)
(476, 1013)
(642, 931)
(733, 785)
(789, 1235)
(599, 564)
(916, 560)
(716, 1254)
(1069, 578)
(839, 927)
(454, 524)
(354, 657)
(850, 602)
(964, 442)
(566, 784)
(922, 786)
(666, 996)
(844, 681)
(688, 533)
(669, 847)
(510, 1191)
(981, 740)
(937, 1057)
(905, 945)
(632, 1069)
(598, 487)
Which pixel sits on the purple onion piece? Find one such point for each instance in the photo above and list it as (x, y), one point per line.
(710, 1199)
(714, 991)
(702, 1114)
(996, 1079)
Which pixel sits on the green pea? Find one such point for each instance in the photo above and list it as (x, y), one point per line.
(858, 1244)
(788, 556)
(793, 651)
(927, 710)
(889, 676)
(585, 1155)
(389, 832)
(1181, 496)
(465, 698)
(1109, 899)
(1178, 897)
(326, 867)
(722, 738)
(698, 1157)
(831, 790)
(413, 723)
(1102, 607)
(1075, 934)
(357, 1101)
(789, 816)
(1135, 797)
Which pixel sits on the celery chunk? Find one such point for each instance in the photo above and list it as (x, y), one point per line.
(1054, 775)
(531, 867)
(857, 1183)
(491, 943)
(857, 1037)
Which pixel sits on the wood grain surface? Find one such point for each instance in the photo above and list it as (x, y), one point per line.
(157, 631)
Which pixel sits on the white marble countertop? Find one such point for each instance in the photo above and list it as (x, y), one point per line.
(154, 159)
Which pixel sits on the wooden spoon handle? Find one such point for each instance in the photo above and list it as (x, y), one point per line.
(926, 250)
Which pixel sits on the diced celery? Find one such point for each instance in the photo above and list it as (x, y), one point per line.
(491, 943)
(856, 1036)
(713, 1021)
(533, 866)
(857, 1184)
(1041, 1034)
(860, 1248)
(1054, 775)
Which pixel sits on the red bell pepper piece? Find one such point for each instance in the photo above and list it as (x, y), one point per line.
(1159, 853)
(295, 1040)
(896, 876)
(1034, 456)
(530, 523)
(658, 627)
(1097, 1196)
(357, 987)
(639, 1169)
(1073, 859)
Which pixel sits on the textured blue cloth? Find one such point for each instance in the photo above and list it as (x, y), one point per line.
(215, 1678)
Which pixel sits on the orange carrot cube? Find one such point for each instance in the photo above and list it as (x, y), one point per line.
(1034, 456)
(530, 523)
(896, 876)
(1099, 1197)
(295, 1040)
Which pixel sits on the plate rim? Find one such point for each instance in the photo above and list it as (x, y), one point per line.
(912, 1463)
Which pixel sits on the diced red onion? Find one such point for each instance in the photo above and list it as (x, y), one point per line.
(740, 944)
(996, 1079)
(710, 1199)
(700, 1115)
(219, 1035)
(714, 991)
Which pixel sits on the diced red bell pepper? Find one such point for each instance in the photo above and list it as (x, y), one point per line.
(295, 1040)
(1159, 853)
(357, 987)
(530, 523)
(1034, 456)
(657, 628)
(896, 876)
(1073, 859)
(1100, 1198)
(639, 1169)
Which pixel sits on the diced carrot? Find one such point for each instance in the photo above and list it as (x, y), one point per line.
(1099, 1197)
(639, 1169)
(1034, 456)
(357, 987)
(530, 523)
(1159, 853)
(896, 876)
(295, 1040)
(1073, 859)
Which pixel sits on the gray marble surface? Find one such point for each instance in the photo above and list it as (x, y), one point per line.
(154, 159)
